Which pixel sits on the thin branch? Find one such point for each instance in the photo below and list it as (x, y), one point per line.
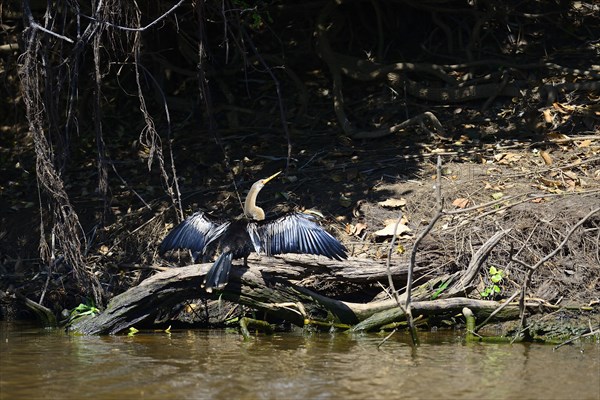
(413, 253)
(35, 25)
(507, 302)
(126, 28)
(590, 332)
(388, 263)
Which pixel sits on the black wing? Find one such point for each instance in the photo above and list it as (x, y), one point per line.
(295, 233)
(195, 233)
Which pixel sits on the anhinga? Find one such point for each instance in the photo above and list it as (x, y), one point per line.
(291, 233)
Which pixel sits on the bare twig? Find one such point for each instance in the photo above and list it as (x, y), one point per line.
(388, 263)
(126, 28)
(385, 339)
(590, 332)
(413, 253)
(35, 25)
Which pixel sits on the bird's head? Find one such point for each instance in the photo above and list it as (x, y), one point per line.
(251, 210)
(262, 182)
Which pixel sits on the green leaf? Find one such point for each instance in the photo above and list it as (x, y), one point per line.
(493, 270)
(496, 278)
(132, 331)
(440, 289)
(83, 309)
(496, 289)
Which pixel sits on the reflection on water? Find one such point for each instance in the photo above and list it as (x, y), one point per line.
(37, 363)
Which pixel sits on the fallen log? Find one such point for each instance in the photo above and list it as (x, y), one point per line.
(269, 284)
(481, 308)
(281, 287)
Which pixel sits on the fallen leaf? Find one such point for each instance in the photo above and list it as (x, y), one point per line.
(359, 228)
(546, 157)
(557, 136)
(393, 203)
(389, 230)
(571, 175)
(507, 158)
(461, 202)
(350, 229)
(563, 108)
(549, 182)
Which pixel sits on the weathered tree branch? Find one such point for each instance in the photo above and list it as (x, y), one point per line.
(270, 284)
(267, 283)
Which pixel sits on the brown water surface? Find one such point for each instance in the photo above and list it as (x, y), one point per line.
(37, 363)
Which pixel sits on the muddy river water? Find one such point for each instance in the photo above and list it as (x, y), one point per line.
(39, 363)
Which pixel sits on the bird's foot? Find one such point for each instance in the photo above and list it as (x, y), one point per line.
(295, 307)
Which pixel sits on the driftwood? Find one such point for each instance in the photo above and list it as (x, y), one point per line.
(258, 288)
(265, 285)
(482, 308)
(273, 285)
(277, 285)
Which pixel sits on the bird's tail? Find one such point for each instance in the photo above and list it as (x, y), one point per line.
(218, 275)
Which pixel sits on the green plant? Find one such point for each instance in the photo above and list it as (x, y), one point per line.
(132, 331)
(82, 310)
(494, 288)
(441, 288)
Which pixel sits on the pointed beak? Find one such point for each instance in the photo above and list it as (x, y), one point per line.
(266, 180)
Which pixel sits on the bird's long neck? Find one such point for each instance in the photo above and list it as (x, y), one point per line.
(251, 210)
